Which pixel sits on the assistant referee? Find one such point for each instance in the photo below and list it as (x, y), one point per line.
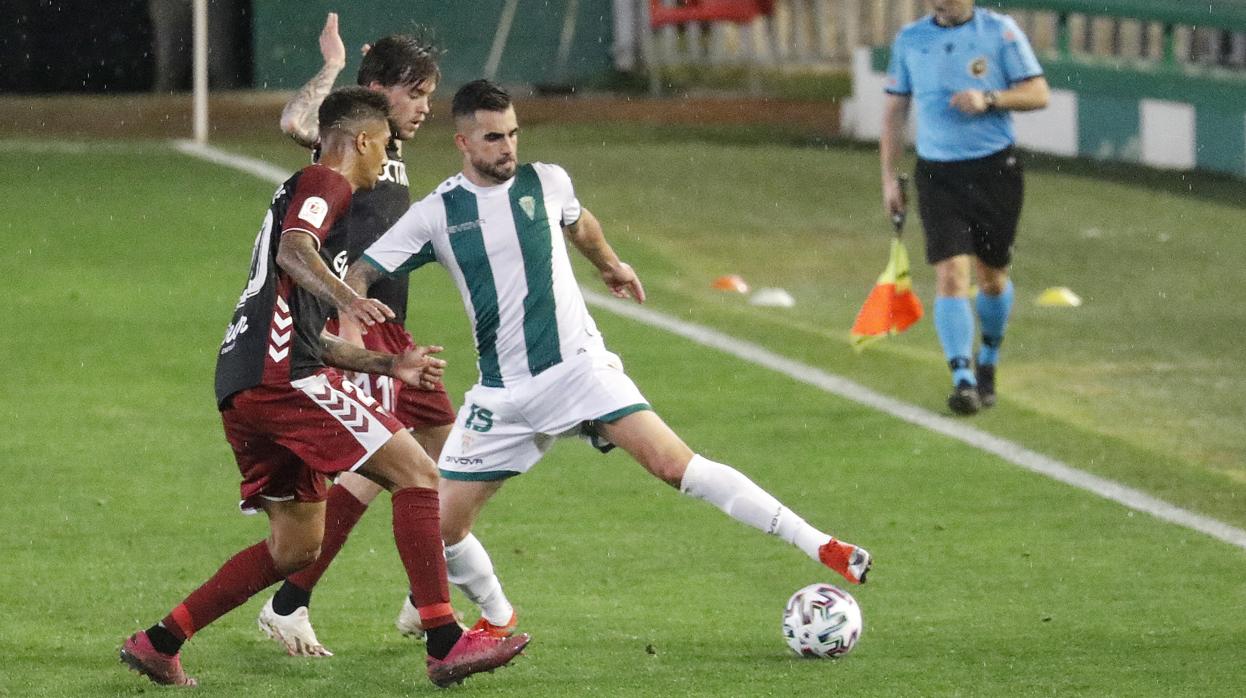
(967, 68)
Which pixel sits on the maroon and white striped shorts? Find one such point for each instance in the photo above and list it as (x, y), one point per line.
(288, 438)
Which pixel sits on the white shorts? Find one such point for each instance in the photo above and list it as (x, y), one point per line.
(502, 432)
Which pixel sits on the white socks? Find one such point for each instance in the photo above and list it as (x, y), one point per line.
(469, 568)
(741, 499)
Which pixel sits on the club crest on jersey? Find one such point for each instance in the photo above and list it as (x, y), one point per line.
(978, 67)
(528, 204)
(314, 210)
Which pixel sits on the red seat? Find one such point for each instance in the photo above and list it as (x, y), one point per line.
(738, 11)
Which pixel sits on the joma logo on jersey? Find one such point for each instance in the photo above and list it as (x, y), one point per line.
(461, 227)
(339, 264)
(396, 172)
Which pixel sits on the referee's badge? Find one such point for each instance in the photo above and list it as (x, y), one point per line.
(528, 204)
(978, 67)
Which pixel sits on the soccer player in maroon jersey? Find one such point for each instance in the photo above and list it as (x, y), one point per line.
(405, 69)
(292, 420)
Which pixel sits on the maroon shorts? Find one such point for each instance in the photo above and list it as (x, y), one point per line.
(415, 407)
(288, 438)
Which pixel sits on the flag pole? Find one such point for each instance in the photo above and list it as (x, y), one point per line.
(897, 217)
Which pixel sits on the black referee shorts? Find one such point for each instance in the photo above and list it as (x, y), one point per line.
(971, 206)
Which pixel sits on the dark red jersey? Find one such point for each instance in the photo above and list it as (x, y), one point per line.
(274, 336)
(371, 214)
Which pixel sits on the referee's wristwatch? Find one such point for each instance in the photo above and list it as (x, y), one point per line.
(991, 97)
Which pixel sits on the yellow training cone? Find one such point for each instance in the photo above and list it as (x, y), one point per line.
(1058, 297)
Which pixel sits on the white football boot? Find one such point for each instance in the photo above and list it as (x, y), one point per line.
(293, 632)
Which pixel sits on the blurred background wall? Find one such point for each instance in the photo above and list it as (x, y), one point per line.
(1160, 82)
(57, 46)
(51, 46)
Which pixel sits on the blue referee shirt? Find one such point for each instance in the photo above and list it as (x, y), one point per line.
(932, 63)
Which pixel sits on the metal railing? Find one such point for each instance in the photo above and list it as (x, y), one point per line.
(821, 34)
(807, 34)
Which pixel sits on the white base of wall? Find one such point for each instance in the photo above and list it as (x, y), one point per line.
(1167, 133)
(1051, 130)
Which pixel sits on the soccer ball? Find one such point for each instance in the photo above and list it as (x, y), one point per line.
(822, 621)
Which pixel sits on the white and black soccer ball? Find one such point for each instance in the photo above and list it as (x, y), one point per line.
(822, 621)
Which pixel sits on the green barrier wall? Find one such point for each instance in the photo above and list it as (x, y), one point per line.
(1220, 14)
(287, 53)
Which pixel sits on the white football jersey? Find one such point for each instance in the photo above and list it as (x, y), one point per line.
(504, 247)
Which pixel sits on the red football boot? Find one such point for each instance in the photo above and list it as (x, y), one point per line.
(476, 651)
(847, 559)
(498, 630)
(138, 654)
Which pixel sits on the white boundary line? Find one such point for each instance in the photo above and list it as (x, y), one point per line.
(956, 429)
(837, 385)
(258, 168)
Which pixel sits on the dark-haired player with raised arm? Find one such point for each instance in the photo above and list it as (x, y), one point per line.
(292, 420)
(404, 68)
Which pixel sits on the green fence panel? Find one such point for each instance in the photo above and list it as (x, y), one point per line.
(1109, 127)
(1220, 14)
(1220, 140)
(1147, 81)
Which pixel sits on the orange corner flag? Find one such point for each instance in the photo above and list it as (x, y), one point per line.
(892, 305)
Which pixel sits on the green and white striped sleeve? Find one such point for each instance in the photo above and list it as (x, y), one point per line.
(407, 245)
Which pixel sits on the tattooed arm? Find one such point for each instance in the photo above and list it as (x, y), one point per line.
(415, 366)
(359, 278)
(297, 256)
(361, 275)
(299, 118)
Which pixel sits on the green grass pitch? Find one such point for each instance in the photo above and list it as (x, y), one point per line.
(121, 268)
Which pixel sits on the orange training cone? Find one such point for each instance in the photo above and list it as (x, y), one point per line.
(892, 305)
(730, 282)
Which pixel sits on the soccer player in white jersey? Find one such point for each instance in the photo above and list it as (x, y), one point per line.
(498, 227)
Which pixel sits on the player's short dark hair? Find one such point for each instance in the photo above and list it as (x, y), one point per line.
(401, 59)
(479, 94)
(346, 108)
